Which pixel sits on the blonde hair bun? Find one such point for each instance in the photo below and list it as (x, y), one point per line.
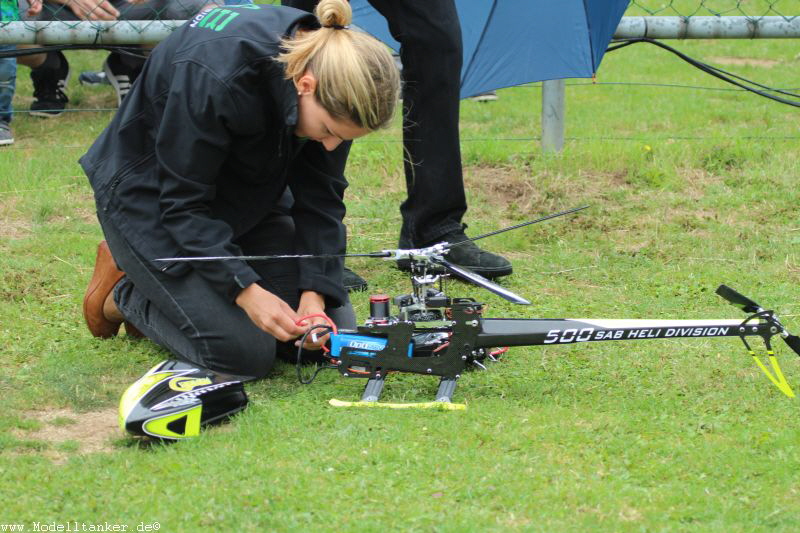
(334, 13)
(356, 76)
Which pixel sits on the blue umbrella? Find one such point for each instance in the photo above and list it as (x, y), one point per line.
(510, 42)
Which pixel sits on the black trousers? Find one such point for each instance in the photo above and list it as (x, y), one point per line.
(185, 315)
(431, 51)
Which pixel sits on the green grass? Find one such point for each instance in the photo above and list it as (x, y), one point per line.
(689, 188)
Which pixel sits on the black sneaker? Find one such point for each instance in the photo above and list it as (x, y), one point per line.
(49, 82)
(119, 75)
(466, 255)
(352, 281)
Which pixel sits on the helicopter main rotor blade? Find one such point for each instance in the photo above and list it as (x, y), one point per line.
(268, 257)
(480, 281)
(548, 217)
(382, 254)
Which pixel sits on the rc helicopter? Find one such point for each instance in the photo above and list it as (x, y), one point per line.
(431, 333)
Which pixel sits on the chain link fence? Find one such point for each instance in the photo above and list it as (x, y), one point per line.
(787, 9)
(102, 21)
(149, 21)
(711, 19)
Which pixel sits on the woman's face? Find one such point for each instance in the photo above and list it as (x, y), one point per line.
(315, 123)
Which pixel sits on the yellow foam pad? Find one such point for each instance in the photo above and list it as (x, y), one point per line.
(444, 406)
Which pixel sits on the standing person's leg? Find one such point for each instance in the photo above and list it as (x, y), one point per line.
(50, 75)
(48, 101)
(431, 53)
(50, 71)
(8, 78)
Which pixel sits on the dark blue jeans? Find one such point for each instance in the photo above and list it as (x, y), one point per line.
(8, 79)
(185, 315)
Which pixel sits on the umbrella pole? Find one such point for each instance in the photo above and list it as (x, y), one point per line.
(553, 115)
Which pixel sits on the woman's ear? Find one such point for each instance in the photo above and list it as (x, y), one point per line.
(306, 84)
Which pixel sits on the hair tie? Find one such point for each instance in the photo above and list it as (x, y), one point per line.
(338, 27)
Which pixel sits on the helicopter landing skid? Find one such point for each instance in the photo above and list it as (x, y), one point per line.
(374, 387)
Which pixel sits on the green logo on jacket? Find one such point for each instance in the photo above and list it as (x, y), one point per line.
(216, 19)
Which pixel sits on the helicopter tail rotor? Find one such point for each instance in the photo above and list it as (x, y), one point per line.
(739, 300)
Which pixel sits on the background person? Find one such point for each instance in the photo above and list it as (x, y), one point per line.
(8, 79)
(176, 10)
(194, 162)
(50, 71)
(431, 53)
(9, 12)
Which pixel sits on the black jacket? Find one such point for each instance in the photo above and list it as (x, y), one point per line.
(203, 146)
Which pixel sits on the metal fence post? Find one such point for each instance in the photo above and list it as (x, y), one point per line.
(553, 115)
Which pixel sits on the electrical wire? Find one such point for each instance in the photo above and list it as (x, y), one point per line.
(441, 347)
(499, 351)
(299, 362)
(134, 51)
(538, 85)
(322, 316)
(330, 327)
(728, 77)
(362, 372)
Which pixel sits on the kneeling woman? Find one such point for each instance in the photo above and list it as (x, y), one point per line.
(234, 108)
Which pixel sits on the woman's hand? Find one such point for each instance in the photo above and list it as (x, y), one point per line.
(312, 303)
(270, 313)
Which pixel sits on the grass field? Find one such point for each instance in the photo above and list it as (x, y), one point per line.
(689, 188)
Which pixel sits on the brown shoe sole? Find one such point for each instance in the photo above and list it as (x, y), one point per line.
(105, 277)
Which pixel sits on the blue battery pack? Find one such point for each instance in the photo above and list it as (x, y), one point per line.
(361, 345)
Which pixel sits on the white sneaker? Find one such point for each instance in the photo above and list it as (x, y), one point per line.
(6, 135)
(119, 75)
(490, 96)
